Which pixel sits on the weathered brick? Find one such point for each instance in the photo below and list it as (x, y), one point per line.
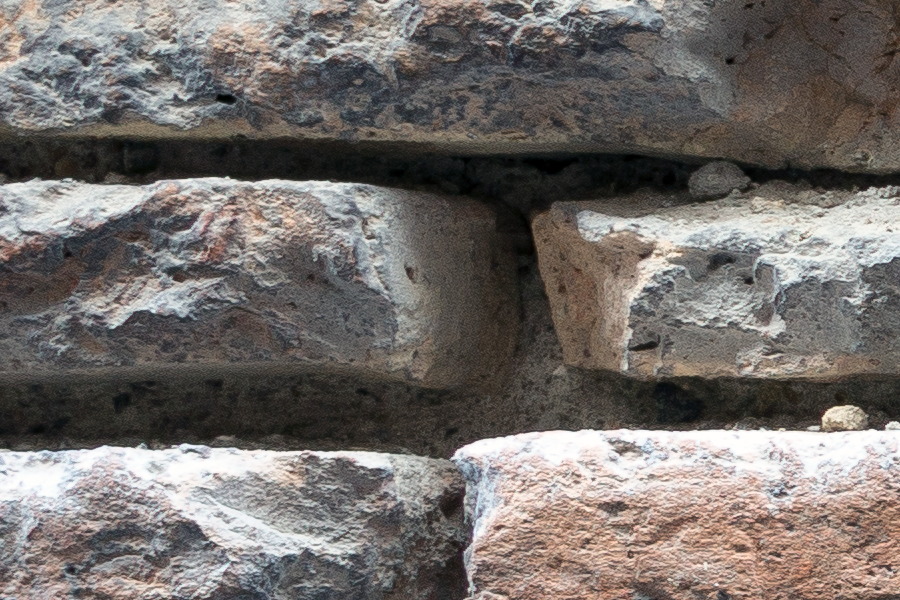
(778, 283)
(195, 522)
(215, 273)
(701, 515)
(775, 83)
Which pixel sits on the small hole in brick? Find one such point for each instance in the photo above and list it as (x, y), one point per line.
(451, 504)
(649, 345)
(226, 98)
(411, 274)
(748, 280)
(121, 401)
(718, 260)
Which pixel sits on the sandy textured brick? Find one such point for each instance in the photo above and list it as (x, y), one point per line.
(194, 522)
(776, 83)
(780, 282)
(219, 273)
(701, 515)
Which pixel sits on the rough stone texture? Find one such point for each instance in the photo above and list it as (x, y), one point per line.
(844, 418)
(711, 515)
(195, 522)
(214, 272)
(717, 179)
(773, 83)
(777, 283)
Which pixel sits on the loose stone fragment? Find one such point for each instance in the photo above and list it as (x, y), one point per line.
(197, 522)
(892, 426)
(810, 84)
(683, 515)
(717, 179)
(780, 283)
(844, 418)
(288, 275)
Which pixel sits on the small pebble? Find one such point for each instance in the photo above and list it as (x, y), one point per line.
(814, 428)
(892, 426)
(844, 418)
(203, 451)
(716, 180)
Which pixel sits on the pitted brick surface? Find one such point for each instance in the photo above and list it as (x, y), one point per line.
(779, 282)
(808, 84)
(216, 272)
(195, 522)
(702, 515)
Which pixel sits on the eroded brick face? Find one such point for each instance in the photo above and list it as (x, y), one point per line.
(772, 83)
(197, 522)
(778, 282)
(745, 515)
(215, 273)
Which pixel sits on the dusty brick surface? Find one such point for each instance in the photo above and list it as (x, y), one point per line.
(711, 515)
(195, 522)
(216, 273)
(775, 83)
(779, 282)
